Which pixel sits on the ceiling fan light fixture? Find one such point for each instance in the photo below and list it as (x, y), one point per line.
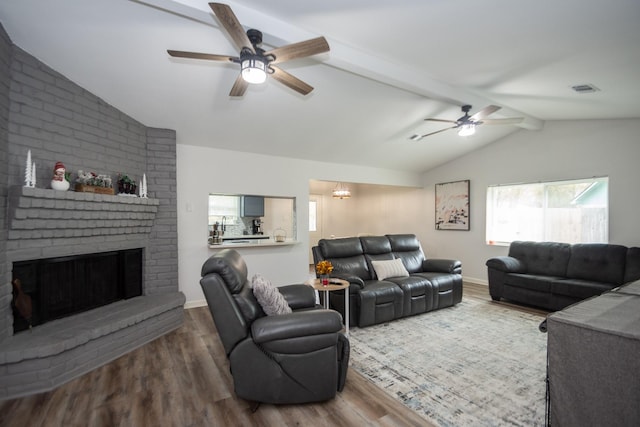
(341, 192)
(467, 129)
(254, 70)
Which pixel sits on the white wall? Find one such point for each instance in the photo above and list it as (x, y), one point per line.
(562, 150)
(203, 170)
(372, 209)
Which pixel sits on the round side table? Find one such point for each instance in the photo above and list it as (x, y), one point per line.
(334, 285)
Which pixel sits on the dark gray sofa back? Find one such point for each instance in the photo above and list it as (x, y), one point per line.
(544, 258)
(408, 249)
(223, 282)
(598, 262)
(376, 248)
(353, 255)
(632, 266)
(346, 256)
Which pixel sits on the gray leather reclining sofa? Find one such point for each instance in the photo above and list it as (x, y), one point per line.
(554, 275)
(431, 284)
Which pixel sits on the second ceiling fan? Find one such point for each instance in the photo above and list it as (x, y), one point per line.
(256, 63)
(467, 124)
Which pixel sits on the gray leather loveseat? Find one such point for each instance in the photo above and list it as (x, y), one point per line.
(424, 285)
(554, 275)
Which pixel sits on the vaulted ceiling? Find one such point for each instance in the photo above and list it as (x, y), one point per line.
(392, 64)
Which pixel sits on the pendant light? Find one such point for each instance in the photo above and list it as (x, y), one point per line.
(341, 192)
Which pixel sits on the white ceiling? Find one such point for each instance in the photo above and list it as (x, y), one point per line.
(392, 64)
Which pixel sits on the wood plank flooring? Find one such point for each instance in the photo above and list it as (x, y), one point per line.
(183, 379)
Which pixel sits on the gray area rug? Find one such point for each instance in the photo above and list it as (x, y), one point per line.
(475, 364)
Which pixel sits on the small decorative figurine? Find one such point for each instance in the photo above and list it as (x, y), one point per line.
(30, 172)
(59, 180)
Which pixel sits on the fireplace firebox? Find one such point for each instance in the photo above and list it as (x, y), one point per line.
(63, 286)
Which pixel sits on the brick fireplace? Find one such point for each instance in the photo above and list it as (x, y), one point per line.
(43, 111)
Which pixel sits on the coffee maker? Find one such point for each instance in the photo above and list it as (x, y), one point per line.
(256, 227)
(216, 234)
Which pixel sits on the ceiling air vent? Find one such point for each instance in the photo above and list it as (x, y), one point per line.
(585, 88)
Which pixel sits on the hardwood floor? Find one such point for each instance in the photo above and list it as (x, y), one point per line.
(183, 379)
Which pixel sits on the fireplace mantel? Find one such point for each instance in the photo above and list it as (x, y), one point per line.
(38, 213)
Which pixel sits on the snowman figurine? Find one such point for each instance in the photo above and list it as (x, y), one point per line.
(59, 182)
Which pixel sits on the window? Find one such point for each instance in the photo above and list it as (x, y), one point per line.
(313, 215)
(224, 206)
(575, 211)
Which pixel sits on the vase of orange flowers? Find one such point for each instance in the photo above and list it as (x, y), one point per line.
(324, 269)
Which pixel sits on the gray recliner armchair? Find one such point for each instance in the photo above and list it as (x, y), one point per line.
(290, 358)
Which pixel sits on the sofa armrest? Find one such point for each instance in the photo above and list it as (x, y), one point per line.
(298, 296)
(355, 282)
(452, 266)
(507, 264)
(298, 332)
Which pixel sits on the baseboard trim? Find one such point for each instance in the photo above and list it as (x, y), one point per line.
(195, 303)
(475, 281)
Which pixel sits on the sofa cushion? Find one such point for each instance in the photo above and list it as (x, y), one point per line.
(537, 283)
(378, 257)
(338, 248)
(403, 242)
(374, 245)
(543, 258)
(379, 301)
(632, 288)
(578, 288)
(632, 265)
(440, 281)
(389, 268)
(412, 260)
(408, 249)
(597, 262)
(418, 294)
(354, 266)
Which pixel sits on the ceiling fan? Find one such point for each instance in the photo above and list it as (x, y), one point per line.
(256, 63)
(467, 124)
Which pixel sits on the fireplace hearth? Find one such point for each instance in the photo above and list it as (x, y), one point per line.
(63, 286)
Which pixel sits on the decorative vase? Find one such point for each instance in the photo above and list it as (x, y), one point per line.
(324, 279)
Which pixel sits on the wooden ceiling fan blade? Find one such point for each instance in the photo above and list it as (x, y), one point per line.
(438, 131)
(239, 87)
(207, 56)
(232, 25)
(490, 109)
(291, 81)
(441, 120)
(510, 121)
(299, 50)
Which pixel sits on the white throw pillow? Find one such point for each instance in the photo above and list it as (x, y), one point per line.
(269, 297)
(390, 268)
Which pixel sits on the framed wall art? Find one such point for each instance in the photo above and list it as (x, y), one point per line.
(452, 205)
